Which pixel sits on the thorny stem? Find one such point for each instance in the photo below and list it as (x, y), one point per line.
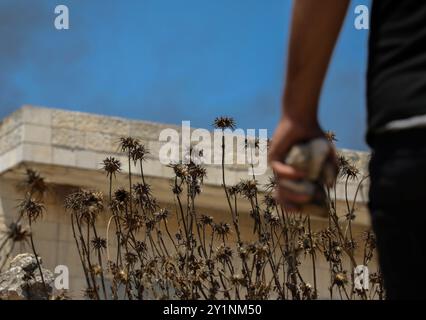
(80, 253)
(37, 259)
(100, 262)
(312, 256)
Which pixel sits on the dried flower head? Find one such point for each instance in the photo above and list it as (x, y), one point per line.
(369, 238)
(269, 201)
(99, 243)
(133, 222)
(248, 188)
(206, 220)
(121, 196)
(262, 250)
(143, 197)
(131, 258)
(222, 229)
(307, 243)
(234, 190)
(330, 136)
(176, 189)
(34, 183)
(346, 169)
(150, 224)
(180, 170)
(196, 172)
(122, 276)
(223, 253)
(142, 190)
(340, 279)
(139, 152)
(224, 123)
(111, 166)
(140, 247)
(90, 293)
(96, 270)
(272, 218)
(85, 204)
(150, 204)
(62, 295)
(31, 208)
(238, 279)
(163, 214)
(351, 245)
(308, 291)
(243, 251)
(128, 144)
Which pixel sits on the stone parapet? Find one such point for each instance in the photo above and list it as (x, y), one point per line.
(54, 137)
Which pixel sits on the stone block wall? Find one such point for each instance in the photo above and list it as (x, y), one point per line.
(68, 147)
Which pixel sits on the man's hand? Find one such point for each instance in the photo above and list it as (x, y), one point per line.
(287, 134)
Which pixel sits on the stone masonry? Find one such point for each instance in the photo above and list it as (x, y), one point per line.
(67, 148)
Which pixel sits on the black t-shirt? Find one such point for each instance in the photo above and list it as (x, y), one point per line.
(396, 86)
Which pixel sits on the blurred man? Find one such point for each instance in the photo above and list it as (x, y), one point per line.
(396, 101)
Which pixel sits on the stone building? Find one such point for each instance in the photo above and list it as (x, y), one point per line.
(67, 148)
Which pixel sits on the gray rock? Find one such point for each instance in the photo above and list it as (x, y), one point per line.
(22, 281)
(313, 158)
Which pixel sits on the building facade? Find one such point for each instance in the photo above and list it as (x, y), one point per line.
(68, 148)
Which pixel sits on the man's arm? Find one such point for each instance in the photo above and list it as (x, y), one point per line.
(314, 31)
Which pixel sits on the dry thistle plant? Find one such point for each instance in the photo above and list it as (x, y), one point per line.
(201, 258)
(31, 208)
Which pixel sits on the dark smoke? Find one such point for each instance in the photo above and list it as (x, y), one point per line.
(20, 22)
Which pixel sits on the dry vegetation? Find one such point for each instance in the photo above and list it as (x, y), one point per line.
(202, 258)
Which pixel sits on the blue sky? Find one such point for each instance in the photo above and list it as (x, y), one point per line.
(170, 60)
